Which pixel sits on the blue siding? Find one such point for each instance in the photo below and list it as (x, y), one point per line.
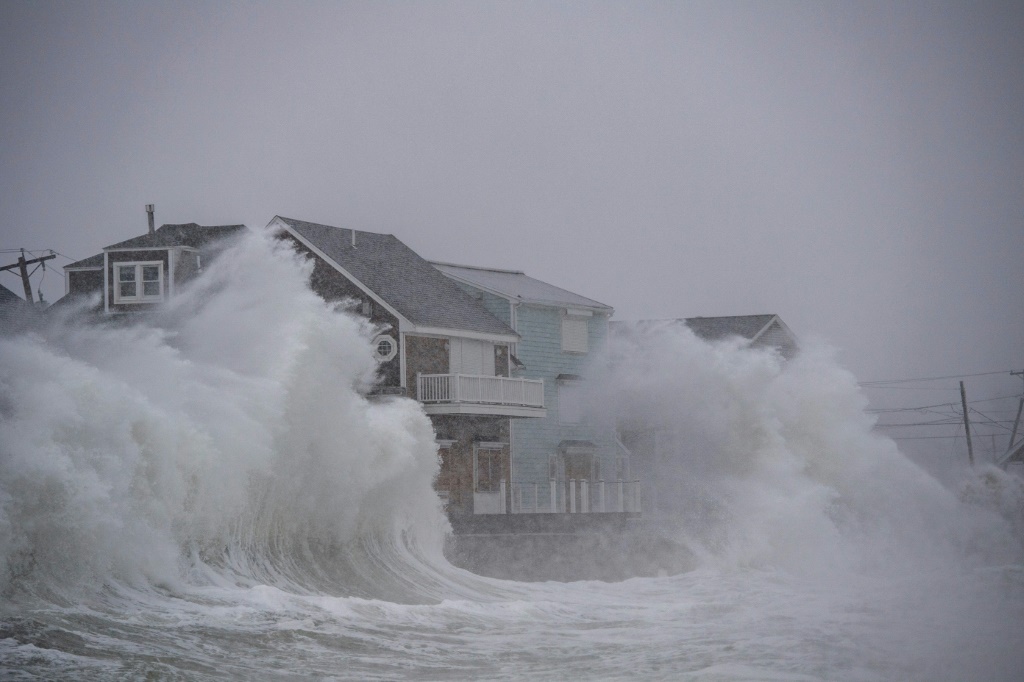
(540, 350)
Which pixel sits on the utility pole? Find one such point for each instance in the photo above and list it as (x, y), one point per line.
(1020, 407)
(967, 424)
(22, 265)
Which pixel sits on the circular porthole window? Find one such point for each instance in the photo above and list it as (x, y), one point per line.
(385, 347)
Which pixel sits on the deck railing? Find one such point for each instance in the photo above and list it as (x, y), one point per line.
(471, 388)
(576, 497)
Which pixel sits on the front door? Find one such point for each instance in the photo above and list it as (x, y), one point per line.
(488, 472)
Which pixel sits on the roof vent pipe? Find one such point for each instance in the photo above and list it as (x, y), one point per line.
(353, 239)
(150, 209)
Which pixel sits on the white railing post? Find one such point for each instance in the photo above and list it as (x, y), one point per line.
(572, 495)
(554, 496)
(501, 500)
(584, 496)
(600, 489)
(621, 501)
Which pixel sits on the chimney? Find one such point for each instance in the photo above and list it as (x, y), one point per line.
(150, 208)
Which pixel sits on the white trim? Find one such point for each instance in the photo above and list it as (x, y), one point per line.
(402, 320)
(106, 282)
(140, 283)
(578, 312)
(166, 247)
(485, 409)
(401, 359)
(465, 334)
(83, 269)
(782, 325)
(394, 347)
(170, 272)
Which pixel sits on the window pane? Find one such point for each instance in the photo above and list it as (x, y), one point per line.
(151, 288)
(488, 471)
(127, 289)
(150, 273)
(126, 274)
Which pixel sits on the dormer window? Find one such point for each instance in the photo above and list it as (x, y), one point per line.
(138, 282)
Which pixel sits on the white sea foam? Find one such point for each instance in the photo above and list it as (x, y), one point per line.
(209, 494)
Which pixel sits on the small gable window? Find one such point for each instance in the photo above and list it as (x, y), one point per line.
(138, 282)
(385, 347)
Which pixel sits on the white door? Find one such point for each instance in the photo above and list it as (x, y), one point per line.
(469, 356)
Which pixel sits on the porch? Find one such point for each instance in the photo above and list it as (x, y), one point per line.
(478, 394)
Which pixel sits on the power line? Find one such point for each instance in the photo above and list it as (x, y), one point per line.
(951, 376)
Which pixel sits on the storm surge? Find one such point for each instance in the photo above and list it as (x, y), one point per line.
(226, 440)
(207, 492)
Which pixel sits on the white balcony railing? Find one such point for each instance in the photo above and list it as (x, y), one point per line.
(483, 390)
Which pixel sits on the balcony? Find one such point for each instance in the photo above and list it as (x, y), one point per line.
(473, 394)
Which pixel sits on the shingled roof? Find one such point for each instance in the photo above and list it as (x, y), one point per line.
(517, 285)
(715, 328)
(186, 234)
(399, 276)
(90, 263)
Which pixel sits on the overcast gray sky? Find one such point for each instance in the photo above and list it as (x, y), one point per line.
(857, 167)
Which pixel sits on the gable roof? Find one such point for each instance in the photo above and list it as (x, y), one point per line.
(758, 330)
(517, 285)
(90, 263)
(185, 234)
(715, 328)
(412, 287)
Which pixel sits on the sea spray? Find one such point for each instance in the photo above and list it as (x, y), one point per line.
(764, 461)
(229, 431)
(206, 493)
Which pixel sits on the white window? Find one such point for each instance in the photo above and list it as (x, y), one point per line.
(570, 402)
(385, 347)
(487, 469)
(138, 282)
(574, 334)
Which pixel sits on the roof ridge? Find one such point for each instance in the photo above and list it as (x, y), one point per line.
(478, 267)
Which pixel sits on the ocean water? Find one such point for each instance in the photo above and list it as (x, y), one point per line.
(209, 495)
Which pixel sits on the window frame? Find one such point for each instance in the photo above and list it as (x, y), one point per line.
(575, 328)
(495, 456)
(376, 347)
(140, 295)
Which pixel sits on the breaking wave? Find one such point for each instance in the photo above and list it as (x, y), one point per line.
(209, 493)
(226, 441)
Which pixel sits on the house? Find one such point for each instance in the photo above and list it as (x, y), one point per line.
(135, 274)
(657, 446)
(436, 344)
(16, 314)
(565, 461)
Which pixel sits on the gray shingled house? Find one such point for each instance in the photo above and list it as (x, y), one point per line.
(436, 344)
(137, 274)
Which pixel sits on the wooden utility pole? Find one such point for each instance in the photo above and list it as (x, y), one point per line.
(22, 265)
(1016, 422)
(967, 424)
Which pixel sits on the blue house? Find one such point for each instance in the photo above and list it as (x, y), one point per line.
(566, 461)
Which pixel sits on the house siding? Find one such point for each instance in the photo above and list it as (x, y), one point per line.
(536, 440)
(332, 286)
(85, 281)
